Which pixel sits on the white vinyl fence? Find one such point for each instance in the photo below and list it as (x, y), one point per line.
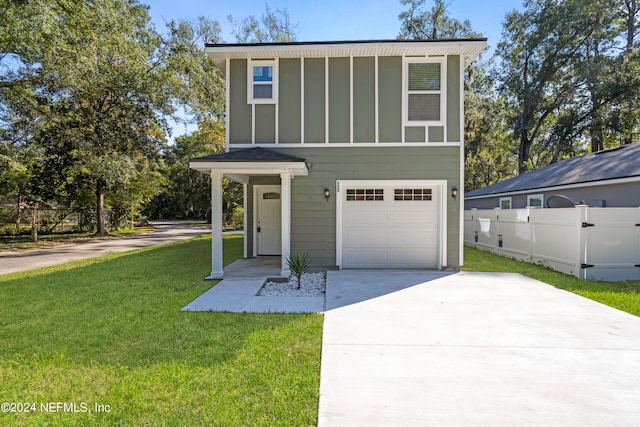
(589, 243)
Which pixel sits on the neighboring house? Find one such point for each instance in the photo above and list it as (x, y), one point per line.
(609, 178)
(349, 151)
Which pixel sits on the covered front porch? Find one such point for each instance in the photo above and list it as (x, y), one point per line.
(242, 166)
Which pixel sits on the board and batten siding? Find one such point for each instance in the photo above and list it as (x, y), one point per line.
(336, 101)
(313, 218)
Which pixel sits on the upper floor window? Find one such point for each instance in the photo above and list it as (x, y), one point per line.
(262, 84)
(424, 95)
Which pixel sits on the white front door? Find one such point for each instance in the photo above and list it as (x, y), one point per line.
(268, 226)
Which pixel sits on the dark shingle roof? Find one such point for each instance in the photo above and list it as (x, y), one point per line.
(339, 42)
(257, 154)
(620, 162)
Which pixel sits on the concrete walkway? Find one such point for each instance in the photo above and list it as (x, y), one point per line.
(237, 292)
(164, 232)
(473, 349)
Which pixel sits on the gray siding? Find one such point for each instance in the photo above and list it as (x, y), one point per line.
(289, 99)
(239, 110)
(313, 219)
(615, 196)
(414, 134)
(390, 98)
(453, 99)
(339, 100)
(265, 123)
(314, 91)
(436, 133)
(364, 110)
(340, 78)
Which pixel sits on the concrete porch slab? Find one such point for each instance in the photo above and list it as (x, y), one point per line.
(237, 292)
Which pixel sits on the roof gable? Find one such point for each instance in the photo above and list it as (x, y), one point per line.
(616, 163)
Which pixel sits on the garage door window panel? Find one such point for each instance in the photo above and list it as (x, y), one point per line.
(412, 194)
(365, 195)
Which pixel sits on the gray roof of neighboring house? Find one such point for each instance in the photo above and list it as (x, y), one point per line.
(619, 162)
(257, 154)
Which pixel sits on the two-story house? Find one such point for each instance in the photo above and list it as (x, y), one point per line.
(350, 151)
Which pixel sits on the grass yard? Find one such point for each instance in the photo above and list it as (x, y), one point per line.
(109, 331)
(624, 296)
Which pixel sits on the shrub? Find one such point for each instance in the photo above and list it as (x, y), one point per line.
(299, 264)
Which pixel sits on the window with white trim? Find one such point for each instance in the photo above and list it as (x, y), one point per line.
(424, 101)
(505, 202)
(262, 82)
(535, 201)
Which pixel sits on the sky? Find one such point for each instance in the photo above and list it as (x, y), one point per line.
(329, 20)
(334, 19)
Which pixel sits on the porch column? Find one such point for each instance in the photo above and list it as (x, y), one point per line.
(216, 226)
(285, 198)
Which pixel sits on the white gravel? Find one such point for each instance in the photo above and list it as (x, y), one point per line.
(311, 285)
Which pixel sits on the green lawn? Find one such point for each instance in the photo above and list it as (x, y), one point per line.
(624, 296)
(109, 331)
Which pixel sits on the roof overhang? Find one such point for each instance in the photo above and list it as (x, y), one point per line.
(241, 164)
(469, 49)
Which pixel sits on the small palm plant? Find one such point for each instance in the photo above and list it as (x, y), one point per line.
(298, 265)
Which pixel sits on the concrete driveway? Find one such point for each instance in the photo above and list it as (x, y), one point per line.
(473, 349)
(164, 232)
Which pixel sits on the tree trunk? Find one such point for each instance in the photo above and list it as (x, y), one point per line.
(101, 230)
(34, 224)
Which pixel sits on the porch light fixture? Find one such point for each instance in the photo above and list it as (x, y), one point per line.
(327, 194)
(454, 193)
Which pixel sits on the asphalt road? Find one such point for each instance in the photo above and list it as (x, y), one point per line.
(164, 232)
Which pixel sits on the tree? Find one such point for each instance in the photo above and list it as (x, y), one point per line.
(273, 27)
(417, 23)
(98, 81)
(567, 78)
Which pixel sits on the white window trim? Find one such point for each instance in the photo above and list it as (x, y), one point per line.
(505, 199)
(269, 63)
(443, 92)
(535, 196)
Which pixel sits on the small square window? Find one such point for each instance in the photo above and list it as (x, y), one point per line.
(535, 201)
(262, 81)
(505, 202)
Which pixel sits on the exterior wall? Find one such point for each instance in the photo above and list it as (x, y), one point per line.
(289, 101)
(239, 110)
(313, 218)
(625, 195)
(336, 101)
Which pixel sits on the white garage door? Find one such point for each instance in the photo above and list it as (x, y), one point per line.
(390, 226)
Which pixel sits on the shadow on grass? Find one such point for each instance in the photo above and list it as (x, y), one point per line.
(124, 309)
